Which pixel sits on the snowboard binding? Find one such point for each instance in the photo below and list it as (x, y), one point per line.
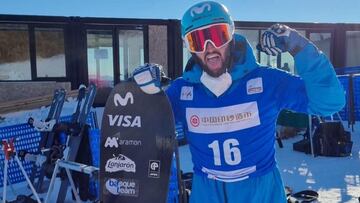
(305, 196)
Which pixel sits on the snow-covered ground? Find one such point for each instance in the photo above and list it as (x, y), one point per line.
(21, 70)
(41, 113)
(336, 179)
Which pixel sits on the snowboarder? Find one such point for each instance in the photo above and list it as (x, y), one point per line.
(229, 104)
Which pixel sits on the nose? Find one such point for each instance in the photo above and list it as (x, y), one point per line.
(209, 46)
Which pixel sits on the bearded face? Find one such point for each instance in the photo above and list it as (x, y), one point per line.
(214, 61)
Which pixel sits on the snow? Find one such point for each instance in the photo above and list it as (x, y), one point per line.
(40, 114)
(336, 179)
(21, 70)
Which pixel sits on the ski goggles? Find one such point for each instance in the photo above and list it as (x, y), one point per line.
(218, 34)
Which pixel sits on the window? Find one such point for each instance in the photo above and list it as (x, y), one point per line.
(322, 41)
(352, 48)
(253, 37)
(131, 51)
(287, 61)
(14, 52)
(50, 52)
(100, 57)
(186, 56)
(100, 44)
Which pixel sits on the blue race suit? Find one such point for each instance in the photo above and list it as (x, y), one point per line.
(231, 137)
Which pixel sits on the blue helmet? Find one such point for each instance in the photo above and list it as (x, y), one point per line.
(205, 13)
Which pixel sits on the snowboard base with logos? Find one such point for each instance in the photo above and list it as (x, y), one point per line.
(137, 146)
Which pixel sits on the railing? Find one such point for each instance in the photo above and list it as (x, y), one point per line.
(31, 103)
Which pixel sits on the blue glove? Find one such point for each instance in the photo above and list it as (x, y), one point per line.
(148, 77)
(280, 38)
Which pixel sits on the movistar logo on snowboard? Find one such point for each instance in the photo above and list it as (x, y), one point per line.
(125, 121)
(122, 187)
(119, 100)
(120, 163)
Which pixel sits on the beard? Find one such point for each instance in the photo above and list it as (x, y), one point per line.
(225, 60)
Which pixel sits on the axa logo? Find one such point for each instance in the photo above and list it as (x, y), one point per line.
(119, 100)
(198, 10)
(120, 163)
(124, 121)
(111, 142)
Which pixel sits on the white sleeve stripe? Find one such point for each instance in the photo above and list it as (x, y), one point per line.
(268, 43)
(274, 51)
(277, 49)
(272, 41)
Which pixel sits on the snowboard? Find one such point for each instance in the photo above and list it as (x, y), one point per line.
(47, 138)
(137, 146)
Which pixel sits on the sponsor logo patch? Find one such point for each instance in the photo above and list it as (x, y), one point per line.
(254, 86)
(223, 119)
(111, 142)
(187, 93)
(195, 120)
(115, 142)
(124, 121)
(123, 101)
(154, 168)
(123, 187)
(120, 163)
(199, 10)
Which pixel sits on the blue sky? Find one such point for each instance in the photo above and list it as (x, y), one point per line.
(323, 11)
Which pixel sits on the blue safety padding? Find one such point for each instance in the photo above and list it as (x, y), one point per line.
(344, 80)
(356, 80)
(94, 140)
(28, 139)
(173, 183)
(347, 70)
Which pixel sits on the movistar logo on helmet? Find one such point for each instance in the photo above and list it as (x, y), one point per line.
(203, 14)
(199, 10)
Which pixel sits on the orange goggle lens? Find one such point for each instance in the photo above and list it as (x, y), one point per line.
(218, 34)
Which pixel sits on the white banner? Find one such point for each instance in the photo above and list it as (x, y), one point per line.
(223, 119)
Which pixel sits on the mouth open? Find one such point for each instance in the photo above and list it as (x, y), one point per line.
(213, 60)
